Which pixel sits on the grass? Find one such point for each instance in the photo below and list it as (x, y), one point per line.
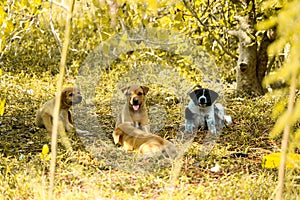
(104, 171)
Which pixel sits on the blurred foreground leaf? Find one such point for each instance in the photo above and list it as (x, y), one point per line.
(273, 160)
(2, 105)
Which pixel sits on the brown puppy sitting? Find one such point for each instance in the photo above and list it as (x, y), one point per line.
(134, 109)
(44, 116)
(132, 138)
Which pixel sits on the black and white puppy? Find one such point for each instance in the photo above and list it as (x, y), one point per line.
(203, 112)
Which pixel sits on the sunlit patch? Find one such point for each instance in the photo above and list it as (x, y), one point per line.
(167, 96)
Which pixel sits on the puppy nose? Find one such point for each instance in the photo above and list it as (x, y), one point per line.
(135, 101)
(202, 100)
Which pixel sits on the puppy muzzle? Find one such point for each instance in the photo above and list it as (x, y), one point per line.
(77, 100)
(135, 104)
(202, 101)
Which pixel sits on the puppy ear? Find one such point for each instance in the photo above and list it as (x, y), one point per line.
(63, 95)
(213, 95)
(145, 89)
(195, 95)
(125, 90)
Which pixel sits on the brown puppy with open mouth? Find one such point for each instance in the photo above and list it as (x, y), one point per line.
(134, 109)
(44, 116)
(132, 138)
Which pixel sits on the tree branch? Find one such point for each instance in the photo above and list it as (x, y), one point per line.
(207, 29)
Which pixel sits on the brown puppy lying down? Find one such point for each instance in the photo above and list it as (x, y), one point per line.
(131, 138)
(44, 116)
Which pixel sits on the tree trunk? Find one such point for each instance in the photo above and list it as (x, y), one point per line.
(246, 70)
(253, 61)
(263, 58)
(246, 74)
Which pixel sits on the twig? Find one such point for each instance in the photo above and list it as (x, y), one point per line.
(58, 96)
(53, 29)
(285, 139)
(61, 5)
(152, 42)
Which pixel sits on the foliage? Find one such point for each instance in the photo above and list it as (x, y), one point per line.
(28, 76)
(288, 36)
(287, 122)
(94, 23)
(16, 18)
(106, 171)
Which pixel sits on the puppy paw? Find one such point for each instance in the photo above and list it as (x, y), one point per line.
(189, 126)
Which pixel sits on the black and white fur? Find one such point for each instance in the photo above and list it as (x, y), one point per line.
(203, 112)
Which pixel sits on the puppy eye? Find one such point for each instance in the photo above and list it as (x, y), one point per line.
(71, 94)
(140, 93)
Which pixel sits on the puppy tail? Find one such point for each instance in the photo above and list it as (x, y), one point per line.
(116, 135)
(221, 117)
(227, 119)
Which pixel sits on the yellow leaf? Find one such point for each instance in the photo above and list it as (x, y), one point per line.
(180, 6)
(45, 149)
(2, 106)
(273, 160)
(295, 141)
(25, 3)
(266, 24)
(197, 3)
(279, 108)
(165, 21)
(172, 11)
(99, 3)
(3, 14)
(271, 4)
(152, 5)
(26, 25)
(280, 124)
(286, 118)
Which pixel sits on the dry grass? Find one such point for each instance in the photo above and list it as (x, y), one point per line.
(104, 171)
